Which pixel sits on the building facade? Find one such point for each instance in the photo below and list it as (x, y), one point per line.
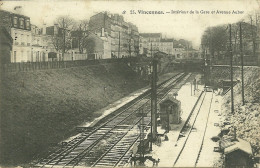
(19, 27)
(124, 36)
(98, 47)
(166, 46)
(149, 43)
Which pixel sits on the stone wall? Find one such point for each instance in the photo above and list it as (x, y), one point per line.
(216, 74)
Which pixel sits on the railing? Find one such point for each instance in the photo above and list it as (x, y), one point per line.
(29, 66)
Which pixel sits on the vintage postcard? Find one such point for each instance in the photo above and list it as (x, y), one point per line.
(137, 83)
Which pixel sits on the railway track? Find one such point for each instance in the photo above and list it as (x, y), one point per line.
(112, 139)
(120, 153)
(193, 143)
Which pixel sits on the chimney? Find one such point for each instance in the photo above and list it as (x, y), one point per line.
(18, 10)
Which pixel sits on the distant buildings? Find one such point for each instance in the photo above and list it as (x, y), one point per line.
(105, 36)
(149, 43)
(124, 36)
(166, 46)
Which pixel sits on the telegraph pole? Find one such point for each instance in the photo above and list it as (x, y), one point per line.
(119, 45)
(205, 69)
(231, 70)
(154, 102)
(242, 62)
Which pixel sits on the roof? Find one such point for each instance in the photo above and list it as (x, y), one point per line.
(226, 143)
(167, 40)
(152, 35)
(170, 100)
(13, 13)
(239, 145)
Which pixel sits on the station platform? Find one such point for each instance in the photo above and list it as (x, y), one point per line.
(168, 151)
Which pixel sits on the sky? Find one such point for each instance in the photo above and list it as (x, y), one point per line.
(189, 26)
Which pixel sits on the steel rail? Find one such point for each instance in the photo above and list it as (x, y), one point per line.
(175, 82)
(186, 140)
(89, 148)
(66, 151)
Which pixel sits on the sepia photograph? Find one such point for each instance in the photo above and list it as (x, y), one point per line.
(131, 83)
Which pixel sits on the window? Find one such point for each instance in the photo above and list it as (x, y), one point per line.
(27, 24)
(22, 39)
(28, 40)
(21, 23)
(15, 21)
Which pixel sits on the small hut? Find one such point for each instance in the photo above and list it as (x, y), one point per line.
(170, 109)
(238, 154)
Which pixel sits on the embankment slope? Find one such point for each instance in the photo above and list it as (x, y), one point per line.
(40, 108)
(245, 118)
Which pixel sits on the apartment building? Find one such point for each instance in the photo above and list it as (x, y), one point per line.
(149, 43)
(19, 27)
(166, 46)
(124, 36)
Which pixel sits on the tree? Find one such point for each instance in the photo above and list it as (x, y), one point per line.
(254, 19)
(57, 43)
(62, 41)
(80, 35)
(215, 38)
